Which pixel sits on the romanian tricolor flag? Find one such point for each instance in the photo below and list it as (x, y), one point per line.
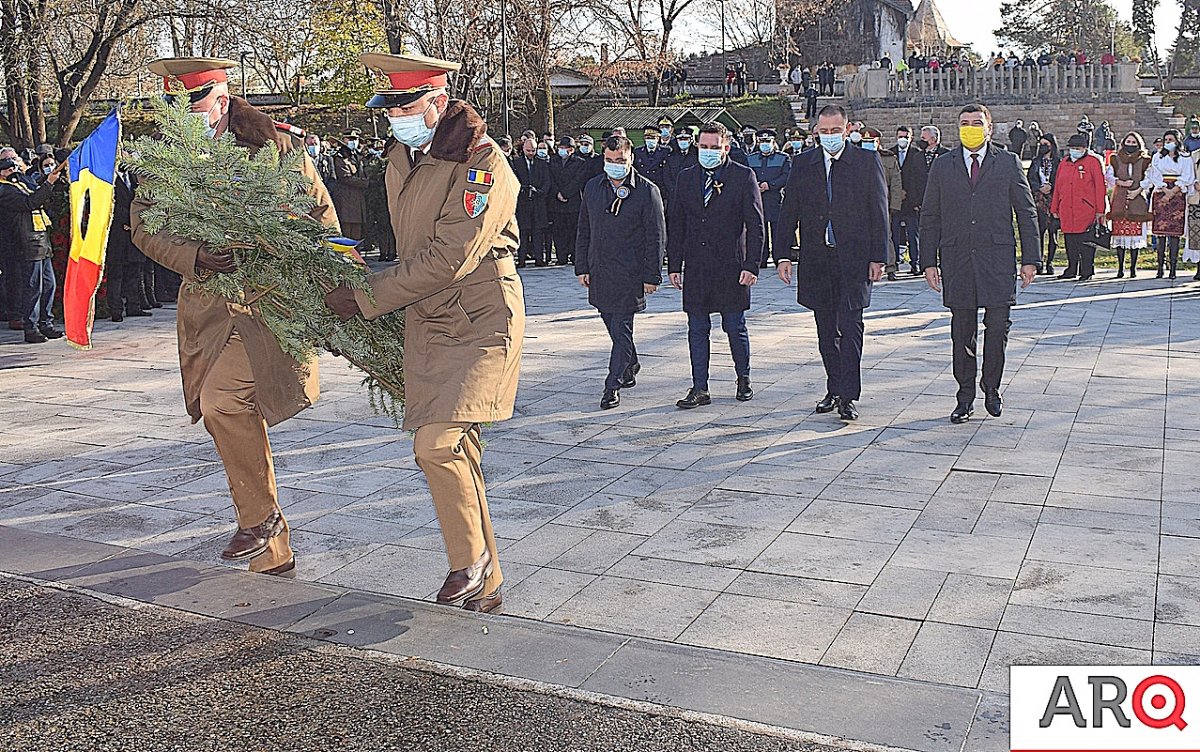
(93, 167)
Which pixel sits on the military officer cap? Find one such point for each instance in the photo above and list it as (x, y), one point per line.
(352, 133)
(586, 139)
(43, 149)
(193, 76)
(650, 129)
(664, 120)
(567, 141)
(683, 130)
(403, 79)
(767, 133)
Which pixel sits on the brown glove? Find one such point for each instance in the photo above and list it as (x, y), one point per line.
(221, 263)
(341, 301)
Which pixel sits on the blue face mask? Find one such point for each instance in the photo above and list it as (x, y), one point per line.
(616, 171)
(684, 144)
(313, 150)
(870, 146)
(411, 130)
(766, 148)
(563, 152)
(797, 145)
(585, 148)
(832, 142)
(1076, 154)
(651, 144)
(541, 154)
(710, 158)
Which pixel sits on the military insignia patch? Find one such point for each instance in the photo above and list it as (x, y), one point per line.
(479, 177)
(474, 203)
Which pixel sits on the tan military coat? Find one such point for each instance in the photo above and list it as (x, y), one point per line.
(454, 216)
(205, 322)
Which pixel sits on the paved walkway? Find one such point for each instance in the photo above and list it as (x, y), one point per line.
(1065, 531)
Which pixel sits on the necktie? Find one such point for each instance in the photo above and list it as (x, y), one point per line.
(829, 239)
(974, 169)
(903, 153)
(708, 186)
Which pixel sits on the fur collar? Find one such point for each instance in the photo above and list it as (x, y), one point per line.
(254, 127)
(458, 132)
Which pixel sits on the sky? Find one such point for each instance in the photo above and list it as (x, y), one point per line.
(973, 21)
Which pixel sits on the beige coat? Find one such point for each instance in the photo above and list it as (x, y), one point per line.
(205, 322)
(454, 216)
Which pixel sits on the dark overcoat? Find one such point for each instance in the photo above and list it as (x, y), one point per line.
(121, 249)
(620, 247)
(828, 280)
(536, 182)
(652, 165)
(714, 244)
(968, 232)
(914, 173)
(567, 177)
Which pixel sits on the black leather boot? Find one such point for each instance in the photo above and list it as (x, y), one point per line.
(744, 392)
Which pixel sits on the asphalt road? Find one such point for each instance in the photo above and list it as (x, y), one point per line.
(77, 673)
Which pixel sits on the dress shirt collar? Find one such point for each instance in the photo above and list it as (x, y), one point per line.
(982, 155)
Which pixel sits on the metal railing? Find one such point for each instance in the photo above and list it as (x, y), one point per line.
(1051, 83)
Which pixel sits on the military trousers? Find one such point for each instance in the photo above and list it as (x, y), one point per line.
(451, 456)
(232, 418)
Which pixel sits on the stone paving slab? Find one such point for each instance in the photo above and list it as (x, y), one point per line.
(901, 543)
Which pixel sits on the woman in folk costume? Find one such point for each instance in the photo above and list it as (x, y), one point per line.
(1171, 178)
(1128, 209)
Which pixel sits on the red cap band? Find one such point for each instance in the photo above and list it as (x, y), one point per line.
(411, 80)
(194, 81)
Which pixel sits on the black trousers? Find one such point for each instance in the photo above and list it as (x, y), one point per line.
(165, 282)
(1081, 257)
(964, 334)
(840, 340)
(810, 107)
(1048, 234)
(534, 244)
(565, 225)
(624, 353)
(125, 287)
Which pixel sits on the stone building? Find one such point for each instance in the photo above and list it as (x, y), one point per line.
(846, 32)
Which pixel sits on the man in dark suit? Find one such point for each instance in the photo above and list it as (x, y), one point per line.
(532, 212)
(906, 227)
(123, 260)
(837, 197)
(931, 144)
(969, 251)
(650, 160)
(619, 256)
(567, 173)
(716, 238)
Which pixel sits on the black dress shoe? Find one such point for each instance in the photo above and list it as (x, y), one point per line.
(1065, 275)
(34, 337)
(462, 585)
(117, 318)
(993, 402)
(629, 378)
(155, 304)
(744, 392)
(1085, 279)
(286, 569)
(137, 312)
(488, 604)
(611, 399)
(847, 410)
(49, 332)
(914, 271)
(249, 542)
(827, 405)
(694, 398)
(891, 276)
(962, 413)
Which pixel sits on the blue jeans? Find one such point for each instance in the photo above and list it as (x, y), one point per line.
(624, 352)
(699, 328)
(906, 230)
(39, 287)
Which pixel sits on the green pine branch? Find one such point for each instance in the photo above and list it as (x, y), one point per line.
(256, 206)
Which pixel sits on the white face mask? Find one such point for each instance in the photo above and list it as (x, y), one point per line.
(903, 142)
(411, 130)
(206, 118)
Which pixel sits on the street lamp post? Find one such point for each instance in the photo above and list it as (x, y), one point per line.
(242, 58)
(724, 59)
(504, 64)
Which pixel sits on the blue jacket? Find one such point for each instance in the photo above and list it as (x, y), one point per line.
(829, 279)
(714, 244)
(772, 169)
(620, 250)
(653, 165)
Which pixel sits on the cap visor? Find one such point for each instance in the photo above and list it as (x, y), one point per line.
(384, 101)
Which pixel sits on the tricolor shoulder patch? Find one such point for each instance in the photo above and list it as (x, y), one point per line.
(479, 177)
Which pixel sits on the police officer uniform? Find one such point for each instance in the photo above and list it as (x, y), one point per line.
(771, 169)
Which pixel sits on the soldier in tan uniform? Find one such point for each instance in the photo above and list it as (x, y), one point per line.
(453, 202)
(235, 376)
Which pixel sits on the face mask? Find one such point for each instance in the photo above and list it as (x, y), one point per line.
(710, 158)
(766, 148)
(563, 153)
(48, 169)
(352, 144)
(797, 145)
(585, 148)
(855, 137)
(313, 150)
(1131, 148)
(684, 144)
(1044, 149)
(832, 142)
(903, 142)
(652, 144)
(971, 136)
(541, 154)
(666, 133)
(616, 171)
(1076, 154)
(1170, 146)
(206, 118)
(870, 146)
(411, 130)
